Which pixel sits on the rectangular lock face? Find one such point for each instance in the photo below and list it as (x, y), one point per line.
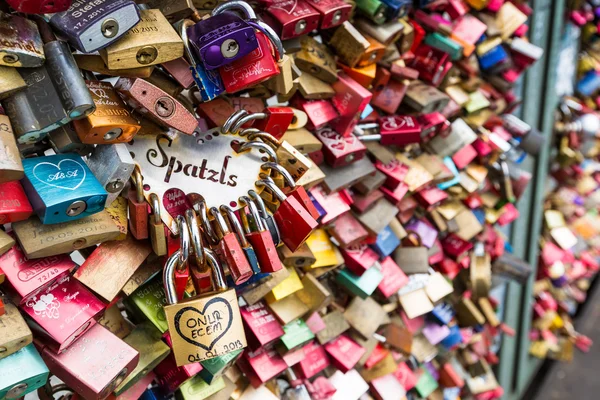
(11, 168)
(14, 205)
(21, 44)
(64, 310)
(14, 332)
(62, 188)
(22, 372)
(112, 166)
(90, 25)
(291, 18)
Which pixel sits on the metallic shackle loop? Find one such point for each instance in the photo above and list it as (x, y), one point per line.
(245, 119)
(183, 25)
(235, 5)
(196, 236)
(155, 206)
(265, 137)
(269, 184)
(184, 241)
(258, 145)
(218, 277)
(169, 278)
(235, 224)
(286, 175)
(231, 120)
(138, 180)
(247, 202)
(273, 37)
(205, 222)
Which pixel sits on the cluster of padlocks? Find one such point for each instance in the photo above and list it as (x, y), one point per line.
(294, 199)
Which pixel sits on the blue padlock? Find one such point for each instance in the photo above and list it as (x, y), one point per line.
(492, 58)
(442, 313)
(62, 188)
(453, 339)
(397, 8)
(22, 372)
(452, 167)
(588, 84)
(386, 242)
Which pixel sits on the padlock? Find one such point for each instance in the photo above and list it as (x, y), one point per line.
(432, 64)
(94, 365)
(157, 229)
(261, 325)
(333, 12)
(375, 10)
(22, 372)
(152, 41)
(291, 18)
(15, 332)
(396, 130)
(60, 313)
(261, 240)
(255, 67)
(112, 165)
(267, 218)
(138, 208)
(112, 121)
(231, 250)
(156, 105)
(62, 188)
(93, 25)
(245, 244)
(146, 303)
(21, 45)
(14, 206)
(173, 10)
(147, 341)
(315, 59)
(261, 366)
(209, 83)
(56, 93)
(318, 112)
(295, 223)
(122, 259)
(196, 331)
(39, 240)
(349, 44)
(65, 140)
(10, 81)
(215, 368)
(359, 258)
(350, 101)
(340, 150)
(222, 38)
(296, 191)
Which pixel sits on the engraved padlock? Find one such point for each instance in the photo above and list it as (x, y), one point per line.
(21, 44)
(224, 37)
(204, 326)
(21, 373)
(292, 18)
(56, 93)
(11, 167)
(62, 188)
(91, 25)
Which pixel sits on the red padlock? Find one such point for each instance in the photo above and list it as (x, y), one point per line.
(14, 205)
(333, 12)
(231, 251)
(297, 192)
(340, 150)
(319, 112)
(138, 208)
(252, 69)
(291, 18)
(350, 101)
(433, 64)
(273, 120)
(359, 258)
(294, 222)
(261, 240)
(39, 6)
(182, 271)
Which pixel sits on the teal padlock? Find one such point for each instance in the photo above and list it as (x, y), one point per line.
(362, 286)
(21, 373)
(445, 44)
(214, 368)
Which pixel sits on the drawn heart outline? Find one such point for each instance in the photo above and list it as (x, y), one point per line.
(58, 168)
(215, 300)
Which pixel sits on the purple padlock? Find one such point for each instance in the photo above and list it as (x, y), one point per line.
(91, 25)
(222, 39)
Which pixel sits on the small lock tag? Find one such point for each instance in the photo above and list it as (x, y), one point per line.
(152, 41)
(102, 23)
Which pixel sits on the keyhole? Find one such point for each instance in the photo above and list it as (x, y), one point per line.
(10, 58)
(165, 107)
(110, 28)
(146, 55)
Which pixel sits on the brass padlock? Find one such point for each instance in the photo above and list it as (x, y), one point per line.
(204, 326)
(10, 81)
(152, 41)
(14, 332)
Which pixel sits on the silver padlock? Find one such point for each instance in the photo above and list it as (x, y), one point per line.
(112, 165)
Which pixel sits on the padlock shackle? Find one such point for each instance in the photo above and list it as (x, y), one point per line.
(223, 228)
(137, 179)
(183, 26)
(155, 206)
(218, 277)
(259, 202)
(264, 136)
(247, 202)
(235, 5)
(205, 223)
(231, 120)
(169, 278)
(260, 146)
(286, 175)
(245, 119)
(196, 237)
(413, 238)
(273, 37)
(235, 224)
(184, 243)
(269, 184)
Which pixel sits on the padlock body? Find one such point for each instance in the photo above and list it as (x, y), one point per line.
(11, 168)
(333, 12)
(65, 140)
(252, 69)
(21, 44)
(92, 25)
(14, 332)
(294, 222)
(138, 216)
(147, 303)
(292, 18)
(339, 150)
(266, 253)
(22, 372)
(277, 122)
(95, 364)
(62, 312)
(62, 188)
(252, 259)
(232, 253)
(14, 205)
(29, 277)
(222, 39)
(205, 327)
(112, 166)
(299, 193)
(112, 121)
(399, 130)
